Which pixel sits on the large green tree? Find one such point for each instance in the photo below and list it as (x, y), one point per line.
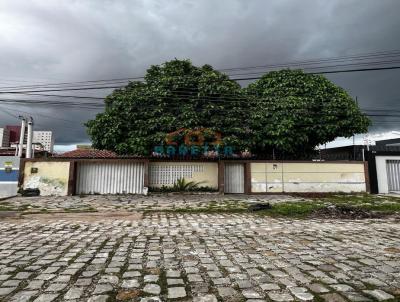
(172, 96)
(285, 111)
(293, 112)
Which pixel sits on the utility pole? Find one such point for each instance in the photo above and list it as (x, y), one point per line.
(354, 139)
(21, 136)
(30, 138)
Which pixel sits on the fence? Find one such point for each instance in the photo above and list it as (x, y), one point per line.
(121, 176)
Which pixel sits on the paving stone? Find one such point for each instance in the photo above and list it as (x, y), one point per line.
(99, 298)
(342, 287)
(150, 299)
(176, 292)
(62, 279)
(333, 297)
(131, 274)
(244, 284)
(6, 290)
(151, 278)
(24, 296)
(301, 293)
(11, 283)
(89, 273)
(195, 278)
(356, 297)
(221, 281)
(318, 288)
(379, 294)
(103, 288)
(83, 282)
(56, 287)
(174, 281)
(46, 298)
(153, 289)
(132, 283)
(22, 275)
(269, 286)
(45, 277)
(109, 279)
(205, 298)
(280, 296)
(4, 277)
(173, 274)
(251, 294)
(73, 293)
(225, 292)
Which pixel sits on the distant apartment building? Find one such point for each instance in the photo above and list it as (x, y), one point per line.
(4, 137)
(42, 140)
(15, 133)
(45, 138)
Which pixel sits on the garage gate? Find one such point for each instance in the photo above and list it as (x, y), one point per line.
(110, 178)
(234, 178)
(393, 175)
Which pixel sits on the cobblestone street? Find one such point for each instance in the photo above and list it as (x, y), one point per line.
(138, 202)
(200, 257)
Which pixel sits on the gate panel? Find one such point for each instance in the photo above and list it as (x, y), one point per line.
(393, 174)
(234, 178)
(110, 178)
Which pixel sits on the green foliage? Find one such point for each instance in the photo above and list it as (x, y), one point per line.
(287, 111)
(293, 112)
(166, 189)
(181, 185)
(174, 95)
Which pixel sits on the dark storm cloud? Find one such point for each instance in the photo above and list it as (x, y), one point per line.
(42, 41)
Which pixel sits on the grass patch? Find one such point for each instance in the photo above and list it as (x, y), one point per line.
(83, 210)
(208, 210)
(368, 202)
(5, 208)
(348, 206)
(292, 209)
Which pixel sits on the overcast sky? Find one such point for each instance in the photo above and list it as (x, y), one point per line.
(55, 41)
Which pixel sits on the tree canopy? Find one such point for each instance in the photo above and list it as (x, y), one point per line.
(287, 110)
(294, 112)
(172, 96)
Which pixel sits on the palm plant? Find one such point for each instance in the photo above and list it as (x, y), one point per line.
(181, 185)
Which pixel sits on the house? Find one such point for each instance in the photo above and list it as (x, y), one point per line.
(90, 171)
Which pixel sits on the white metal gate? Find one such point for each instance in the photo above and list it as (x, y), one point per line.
(393, 175)
(234, 178)
(110, 178)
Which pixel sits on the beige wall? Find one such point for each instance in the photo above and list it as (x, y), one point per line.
(51, 177)
(166, 173)
(307, 177)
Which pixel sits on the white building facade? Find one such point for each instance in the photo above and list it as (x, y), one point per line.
(45, 138)
(4, 137)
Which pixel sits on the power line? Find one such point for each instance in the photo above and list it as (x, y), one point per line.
(384, 54)
(176, 106)
(323, 60)
(42, 115)
(236, 79)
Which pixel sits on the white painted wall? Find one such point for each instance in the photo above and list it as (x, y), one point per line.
(381, 172)
(307, 177)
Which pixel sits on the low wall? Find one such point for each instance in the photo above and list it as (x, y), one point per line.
(307, 177)
(50, 177)
(166, 173)
(9, 173)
